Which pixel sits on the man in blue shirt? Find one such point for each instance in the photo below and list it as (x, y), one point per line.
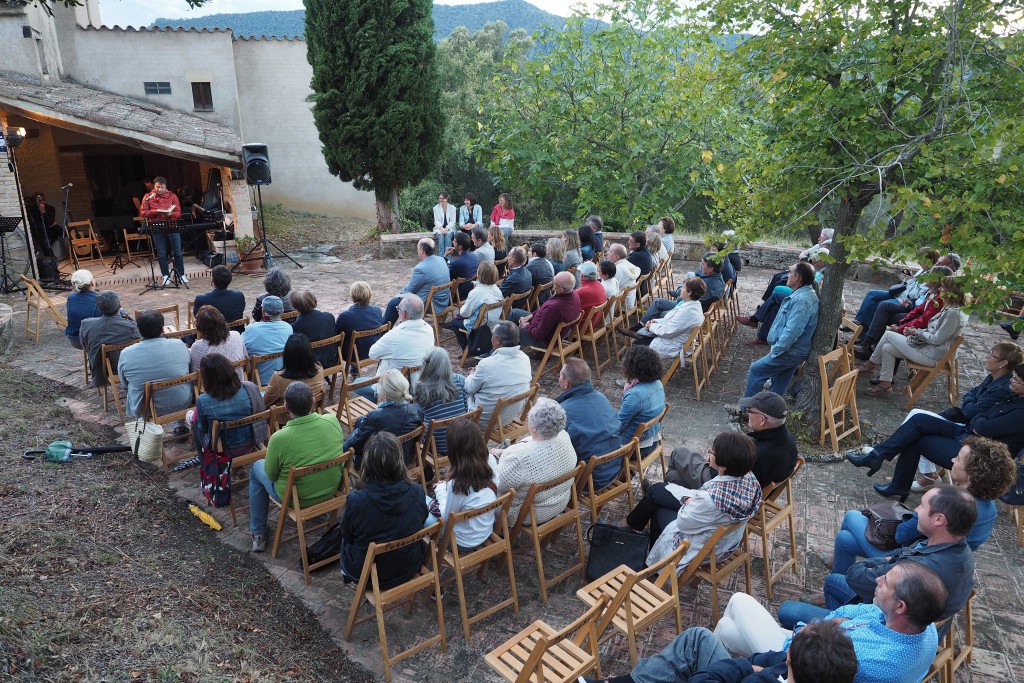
(790, 336)
(431, 271)
(268, 336)
(462, 262)
(591, 421)
(230, 302)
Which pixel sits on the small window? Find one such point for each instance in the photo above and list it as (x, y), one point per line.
(202, 97)
(157, 88)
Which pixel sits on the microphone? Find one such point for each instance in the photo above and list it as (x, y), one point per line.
(67, 187)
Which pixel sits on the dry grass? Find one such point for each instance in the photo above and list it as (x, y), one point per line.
(108, 577)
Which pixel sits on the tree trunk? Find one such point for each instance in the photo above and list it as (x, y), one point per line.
(388, 213)
(830, 311)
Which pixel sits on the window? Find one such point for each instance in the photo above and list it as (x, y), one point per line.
(202, 97)
(157, 87)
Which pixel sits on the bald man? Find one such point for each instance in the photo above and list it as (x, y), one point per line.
(536, 329)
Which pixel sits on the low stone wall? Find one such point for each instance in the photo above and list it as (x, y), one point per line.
(688, 249)
(6, 329)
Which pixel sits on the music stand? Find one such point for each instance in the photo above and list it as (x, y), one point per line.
(163, 228)
(7, 282)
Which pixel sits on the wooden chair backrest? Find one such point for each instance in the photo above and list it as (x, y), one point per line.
(81, 230)
(178, 334)
(512, 299)
(337, 340)
(644, 426)
(353, 351)
(528, 398)
(429, 441)
(707, 550)
(501, 504)
(527, 510)
(221, 426)
(289, 315)
(110, 363)
(291, 501)
(590, 327)
(537, 291)
(262, 358)
(152, 388)
(165, 310)
(586, 483)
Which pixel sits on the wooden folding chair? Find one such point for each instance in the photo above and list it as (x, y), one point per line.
(37, 300)
(479, 323)
(84, 241)
(543, 533)
(613, 319)
(538, 290)
(108, 351)
(593, 329)
(773, 513)
(237, 325)
(694, 350)
(239, 475)
(496, 429)
(852, 341)
(137, 237)
(628, 312)
(644, 291)
(255, 368)
(922, 375)
(707, 566)
(291, 508)
(180, 334)
(728, 319)
(331, 372)
(383, 600)
(289, 316)
(353, 350)
(431, 455)
(85, 367)
(838, 398)
(409, 372)
(637, 600)
(595, 499)
(541, 654)
(949, 658)
(497, 545)
(190, 317)
(351, 406)
(165, 311)
(708, 337)
(642, 463)
(431, 314)
(151, 389)
(559, 347)
(509, 302)
(502, 266)
(734, 302)
(414, 462)
(448, 312)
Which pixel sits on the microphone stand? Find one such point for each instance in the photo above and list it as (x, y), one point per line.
(223, 225)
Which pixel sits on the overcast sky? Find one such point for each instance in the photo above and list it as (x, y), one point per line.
(143, 12)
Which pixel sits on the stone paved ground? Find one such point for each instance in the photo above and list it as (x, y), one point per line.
(823, 492)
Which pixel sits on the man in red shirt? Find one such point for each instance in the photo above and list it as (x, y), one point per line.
(537, 328)
(591, 292)
(163, 205)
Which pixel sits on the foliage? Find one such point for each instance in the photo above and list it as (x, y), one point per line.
(466, 65)
(620, 120)
(916, 102)
(376, 100)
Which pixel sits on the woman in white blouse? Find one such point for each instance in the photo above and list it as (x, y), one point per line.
(444, 223)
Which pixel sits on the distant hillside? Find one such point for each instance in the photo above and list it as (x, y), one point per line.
(515, 13)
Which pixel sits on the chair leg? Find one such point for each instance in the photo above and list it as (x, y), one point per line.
(540, 567)
(767, 563)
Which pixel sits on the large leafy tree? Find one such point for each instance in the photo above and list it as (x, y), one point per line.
(376, 96)
(620, 118)
(913, 103)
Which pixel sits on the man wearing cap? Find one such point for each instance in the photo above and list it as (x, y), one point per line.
(591, 291)
(776, 446)
(268, 336)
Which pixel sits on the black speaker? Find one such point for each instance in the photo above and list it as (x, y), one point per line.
(257, 164)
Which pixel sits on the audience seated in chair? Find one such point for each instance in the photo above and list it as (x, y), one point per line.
(545, 455)
(299, 365)
(358, 317)
(541, 271)
(230, 302)
(591, 421)
(481, 246)
(643, 397)
(112, 327)
(81, 305)
(710, 273)
(626, 273)
(505, 372)
(405, 344)
(316, 325)
(485, 291)
(537, 328)
(395, 413)
(431, 271)
(591, 292)
(667, 336)
(764, 317)
(308, 438)
(213, 336)
(892, 317)
(676, 513)
(267, 335)
(386, 506)
(276, 283)
(226, 398)
(153, 359)
(462, 262)
(519, 278)
(440, 393)
(639, 256)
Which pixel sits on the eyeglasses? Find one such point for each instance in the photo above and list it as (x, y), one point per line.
(711, 451)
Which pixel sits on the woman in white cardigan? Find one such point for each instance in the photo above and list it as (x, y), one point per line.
(668, 335)
(485, 291)
(444, 223)
(923, 346)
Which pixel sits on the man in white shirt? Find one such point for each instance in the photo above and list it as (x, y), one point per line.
(625, 272)
(406, 344)
(506, 372)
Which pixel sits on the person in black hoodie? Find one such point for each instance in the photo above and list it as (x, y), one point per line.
(821, 651)
(385, 507)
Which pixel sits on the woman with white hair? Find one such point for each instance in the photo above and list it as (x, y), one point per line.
(394, 414)
(81, 305)
(546, 454)
(440, 391)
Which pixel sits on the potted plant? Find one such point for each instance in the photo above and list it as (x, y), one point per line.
(254, 261)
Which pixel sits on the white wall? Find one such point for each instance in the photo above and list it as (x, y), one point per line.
(21, 54)
(273, 83)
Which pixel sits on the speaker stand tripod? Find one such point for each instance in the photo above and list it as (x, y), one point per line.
(264, 241)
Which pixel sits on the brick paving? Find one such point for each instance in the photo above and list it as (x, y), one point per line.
(823, 493)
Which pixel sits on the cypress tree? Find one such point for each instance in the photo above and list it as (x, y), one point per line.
(376, 97)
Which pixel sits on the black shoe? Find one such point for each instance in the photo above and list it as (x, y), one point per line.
(861, 352)
(872, 461)
(1008, 326)
(889, 492)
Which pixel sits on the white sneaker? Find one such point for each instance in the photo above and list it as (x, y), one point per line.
(167, 281)
(184, 280)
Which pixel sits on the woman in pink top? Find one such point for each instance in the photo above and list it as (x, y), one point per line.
(504, 216)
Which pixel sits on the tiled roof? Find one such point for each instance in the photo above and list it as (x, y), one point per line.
(74, 101)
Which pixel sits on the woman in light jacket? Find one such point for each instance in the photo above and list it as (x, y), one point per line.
(923, 346)
(470, 214)
(669, 334)
(732, 496)
(444, 223)
(485, 291)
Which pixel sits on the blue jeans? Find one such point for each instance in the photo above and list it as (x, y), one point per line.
(160, 242)
(444, 242)
(261, 490)
(921, 434)
(658, 309)
(766, 312)
(850, 543)
(791, 612)
(693, 650)
(870, 303)
(779, 370)
(391, 311)
(508, 237)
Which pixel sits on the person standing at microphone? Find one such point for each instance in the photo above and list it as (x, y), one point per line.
(163, 205)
